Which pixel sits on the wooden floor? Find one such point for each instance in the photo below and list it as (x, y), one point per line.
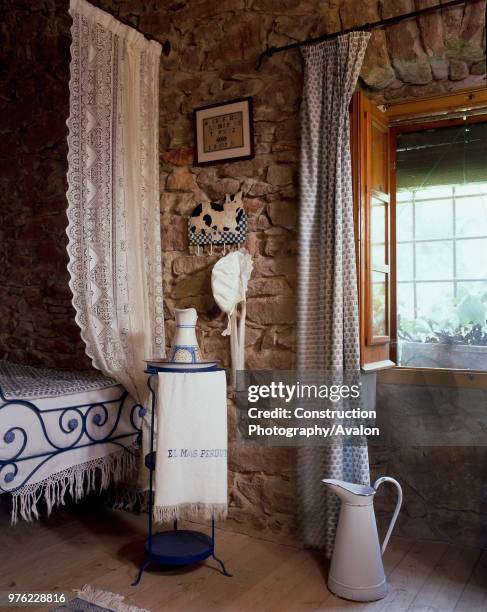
(103, 549)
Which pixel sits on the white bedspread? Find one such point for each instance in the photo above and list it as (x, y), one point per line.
(52, 423)
(29, 382)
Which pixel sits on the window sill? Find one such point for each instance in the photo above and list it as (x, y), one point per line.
(377, 366)
(434, 377)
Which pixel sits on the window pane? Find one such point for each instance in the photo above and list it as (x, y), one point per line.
(442, 247)
(431, 193)
(434, 260)
(404, 221)
(471, 216)
(405, 262)
(435, 301)
(472, 258)
(378, 252)
(477, 289)
(379, 286)
(471, 309)
(405, 301)
(380, 158)
(471, 188)
(404, 195)
(434, 219)
(378, 232)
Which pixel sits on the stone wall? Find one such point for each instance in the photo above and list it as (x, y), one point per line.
(445, 487)
(36, 317)
(210, 52)
(210, 55)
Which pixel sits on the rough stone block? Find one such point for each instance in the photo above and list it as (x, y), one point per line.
(440, 68)
(250, 457)
(174, 232)
(458, 70)
(282, 214)
(413, 71)
(284, 7)
(275, 266)
(270, 286)
(464, 50)
(178, 157)
(280, 174)
(478, 68)
(271, 310)
(186, 265)
(180, 179)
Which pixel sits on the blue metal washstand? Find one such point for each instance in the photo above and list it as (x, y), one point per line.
(175, 547)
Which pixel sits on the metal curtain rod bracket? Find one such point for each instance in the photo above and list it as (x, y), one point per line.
(134, 27)
(128, 23)
(270, 51)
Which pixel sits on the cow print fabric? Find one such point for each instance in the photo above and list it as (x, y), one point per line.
(218, 223)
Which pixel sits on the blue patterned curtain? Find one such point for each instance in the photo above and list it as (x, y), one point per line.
(328, 323)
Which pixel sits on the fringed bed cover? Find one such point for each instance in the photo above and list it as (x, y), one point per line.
(62, 433)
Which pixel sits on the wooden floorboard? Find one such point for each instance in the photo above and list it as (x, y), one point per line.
(251, 561)
(408, 577)
(104, 549)
(291, 577)
(177, 590)
(444, 586)
(474, 595)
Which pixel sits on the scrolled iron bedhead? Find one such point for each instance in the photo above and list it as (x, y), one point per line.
(81, 418)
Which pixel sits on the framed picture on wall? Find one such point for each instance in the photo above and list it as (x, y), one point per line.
(223, 132)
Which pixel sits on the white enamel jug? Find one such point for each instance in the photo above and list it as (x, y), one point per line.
(357, 571)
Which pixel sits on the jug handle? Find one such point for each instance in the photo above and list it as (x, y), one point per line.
(377, 484)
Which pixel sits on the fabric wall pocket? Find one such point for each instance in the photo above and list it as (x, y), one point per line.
(218, 223)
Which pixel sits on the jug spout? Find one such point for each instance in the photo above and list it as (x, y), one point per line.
(351, 493)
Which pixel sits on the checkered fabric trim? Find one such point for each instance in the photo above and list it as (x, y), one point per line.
(219, 238)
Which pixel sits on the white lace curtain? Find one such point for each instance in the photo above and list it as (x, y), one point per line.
(113, 197)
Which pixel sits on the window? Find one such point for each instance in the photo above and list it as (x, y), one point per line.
(441, 246)
(421, 217)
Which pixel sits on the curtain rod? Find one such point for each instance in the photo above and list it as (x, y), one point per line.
(134, 27)
(148, 37)
(270, 51)
(127, 23)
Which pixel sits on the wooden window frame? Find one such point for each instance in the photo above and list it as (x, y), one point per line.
(410, 117)
(384, 198)
(374, 350)
(437, 106)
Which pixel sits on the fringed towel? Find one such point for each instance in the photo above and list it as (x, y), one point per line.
(191, 459)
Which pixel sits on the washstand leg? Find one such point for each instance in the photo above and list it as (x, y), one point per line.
(143, 567)
(224, 571)
(147, 561)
